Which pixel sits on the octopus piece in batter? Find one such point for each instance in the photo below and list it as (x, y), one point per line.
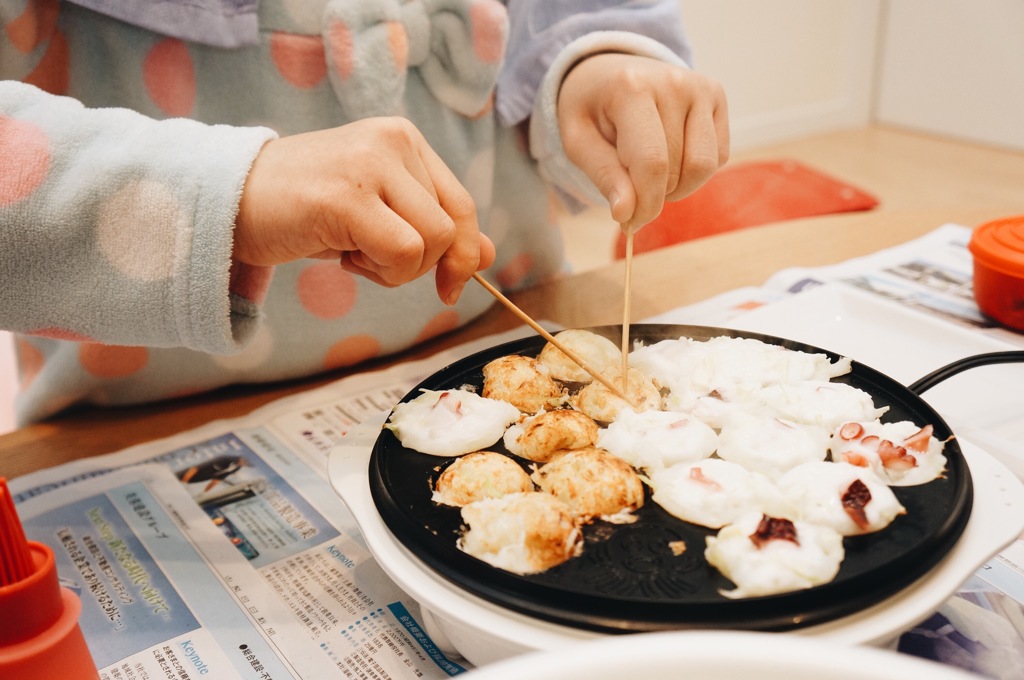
(820, 403)
(524, 533)
(523, 382)
(764, 555)
(540, 437)
(901, 453)
(771, 446)
(657, 439)
(715, 492)
(850, 499)
(480, 475)
(597, 351)
(593, 483)
(601, 404)
(450, 422)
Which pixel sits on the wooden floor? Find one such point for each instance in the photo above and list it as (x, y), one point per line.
(907, 171)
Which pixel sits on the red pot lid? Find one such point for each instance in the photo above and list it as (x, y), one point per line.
(999, 244)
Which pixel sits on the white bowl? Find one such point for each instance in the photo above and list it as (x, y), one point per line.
(717, 655)
(463, 624)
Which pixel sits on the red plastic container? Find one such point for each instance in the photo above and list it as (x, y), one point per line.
(39, 634)
(998, 250)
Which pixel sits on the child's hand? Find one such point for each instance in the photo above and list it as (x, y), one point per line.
(643, 130)
(372, 194)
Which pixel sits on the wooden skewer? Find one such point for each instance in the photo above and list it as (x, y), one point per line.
(550, 338)
(627, 298)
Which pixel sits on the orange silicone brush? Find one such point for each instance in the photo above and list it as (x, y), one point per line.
(39, 634)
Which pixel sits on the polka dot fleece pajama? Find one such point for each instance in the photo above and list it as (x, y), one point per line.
(127, 130)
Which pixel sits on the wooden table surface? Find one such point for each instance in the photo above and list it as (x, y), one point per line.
(662, 280)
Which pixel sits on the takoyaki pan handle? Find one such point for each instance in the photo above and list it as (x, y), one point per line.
(960, 365)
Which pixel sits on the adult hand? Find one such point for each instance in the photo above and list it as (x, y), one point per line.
(372, 194)
(644, 131)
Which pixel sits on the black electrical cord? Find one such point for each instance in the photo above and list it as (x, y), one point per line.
(949, 370)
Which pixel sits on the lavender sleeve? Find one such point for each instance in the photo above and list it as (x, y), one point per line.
(118, 228)
(546, 40)
(541, 29)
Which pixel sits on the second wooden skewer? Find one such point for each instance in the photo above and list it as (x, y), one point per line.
(626, 300)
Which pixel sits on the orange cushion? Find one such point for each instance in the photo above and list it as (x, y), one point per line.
(745, 195)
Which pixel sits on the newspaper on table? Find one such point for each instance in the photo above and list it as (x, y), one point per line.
(932, 274)
(224, 551)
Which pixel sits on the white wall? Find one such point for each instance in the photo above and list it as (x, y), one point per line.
(793, 68)
(790, 67)
(954, 67)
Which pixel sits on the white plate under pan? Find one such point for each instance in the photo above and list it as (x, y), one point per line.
(484, 633)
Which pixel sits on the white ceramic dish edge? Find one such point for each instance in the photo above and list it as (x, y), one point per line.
(484, 633)
(717, 655)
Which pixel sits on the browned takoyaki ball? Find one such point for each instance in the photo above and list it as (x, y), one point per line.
(522, 381)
